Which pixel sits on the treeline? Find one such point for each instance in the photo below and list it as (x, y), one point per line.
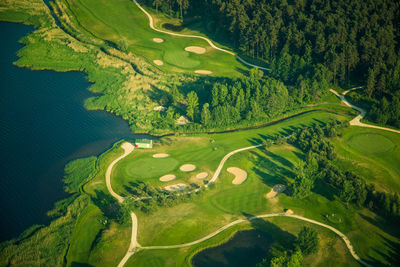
(349, 188)
(306, 242)
(220, 103)
(342, 41)
(147, 198)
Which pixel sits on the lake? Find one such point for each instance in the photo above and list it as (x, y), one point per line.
(245, 248)
(43, 125)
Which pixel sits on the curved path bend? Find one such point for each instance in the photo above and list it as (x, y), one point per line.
(128, 148)
(227, 156)
(151, 24)
(134, 245)
(357, 120)
(340, 234)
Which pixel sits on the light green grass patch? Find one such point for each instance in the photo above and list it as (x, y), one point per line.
(150, 167)
(370, 143)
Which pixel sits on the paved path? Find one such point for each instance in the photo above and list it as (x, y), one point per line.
(357, 120)
(134, 245)
(340, 234)
(227, 156)
(151, 24)
(128, 148)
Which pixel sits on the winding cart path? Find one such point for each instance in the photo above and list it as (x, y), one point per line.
(134, 245)
(151, 24)
(357, 120)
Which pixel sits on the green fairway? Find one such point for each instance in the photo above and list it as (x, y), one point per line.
(115, 20)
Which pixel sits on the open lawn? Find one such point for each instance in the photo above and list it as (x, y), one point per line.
(373, 154)
(116, 20)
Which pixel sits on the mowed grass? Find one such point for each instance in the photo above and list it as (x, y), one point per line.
(115, 20)
(373, 154)
(225, 202)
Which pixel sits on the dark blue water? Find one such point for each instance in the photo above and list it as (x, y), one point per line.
(245, 248)
(43, 125)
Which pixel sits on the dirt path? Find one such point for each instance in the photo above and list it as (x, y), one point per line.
(357, 120)
(151, 24)
(340, 234)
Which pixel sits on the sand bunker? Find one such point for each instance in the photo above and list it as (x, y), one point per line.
(279, 188)
(167, 178)
(176, 187)
(240, 175)
(158, 62)
(158, 40)
(195, 49)
(161, 155)
(202, 175)
(187, 168)
(205, 72)
(289, 212)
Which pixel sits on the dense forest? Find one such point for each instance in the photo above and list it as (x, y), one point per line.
(346, 42)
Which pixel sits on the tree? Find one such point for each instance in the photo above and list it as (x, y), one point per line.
(157, 3)
(176, 95)
(304, 180)
(286, 260)
(205, 114)
(192, 104)
(122, 45)
(307, 240)
(183, 5)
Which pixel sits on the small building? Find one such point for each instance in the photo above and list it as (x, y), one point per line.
(143, 143)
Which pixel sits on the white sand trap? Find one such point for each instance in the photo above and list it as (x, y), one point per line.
(158, 40)
(176, 187)
(195, 49)
(158, 62)
(202, 175)
(289, 212)
(279, 188)
(205, 72)
(240, 175)
(167, 178)
(187, 167)
(161, 155)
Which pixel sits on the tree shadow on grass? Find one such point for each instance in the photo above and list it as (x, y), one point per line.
(80, 264)
(107, 204)
(324, 189)
(391, 228)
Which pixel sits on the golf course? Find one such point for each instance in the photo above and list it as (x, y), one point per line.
(256, 137)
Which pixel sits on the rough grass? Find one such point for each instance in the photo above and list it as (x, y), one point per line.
(86, 230)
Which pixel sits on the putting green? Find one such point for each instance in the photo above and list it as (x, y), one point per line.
(180, 59)
(370, 143)
(151, 167)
